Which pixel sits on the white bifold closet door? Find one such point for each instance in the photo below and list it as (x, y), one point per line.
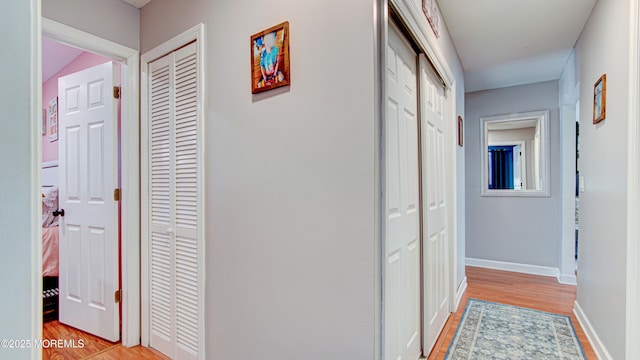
(174, 209)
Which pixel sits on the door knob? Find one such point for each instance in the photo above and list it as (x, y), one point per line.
(59, 212)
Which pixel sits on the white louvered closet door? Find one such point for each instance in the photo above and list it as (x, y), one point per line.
(174, 206)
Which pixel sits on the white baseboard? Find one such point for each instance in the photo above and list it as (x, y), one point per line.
(567, 279)
(515, 267)
(594, 339)
(461, 289)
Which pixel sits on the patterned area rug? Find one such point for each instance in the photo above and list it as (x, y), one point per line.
(489, 330)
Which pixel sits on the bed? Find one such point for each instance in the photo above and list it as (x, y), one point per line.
(50, 233)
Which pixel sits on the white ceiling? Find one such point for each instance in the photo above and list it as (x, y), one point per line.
(512, 42)
(137, 3)
(500, 42)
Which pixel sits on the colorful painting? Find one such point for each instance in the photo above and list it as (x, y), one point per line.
(270, 58)
(53, 120)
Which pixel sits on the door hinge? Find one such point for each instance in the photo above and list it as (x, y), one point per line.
(116, 92)
(116, 194)
(118, 296)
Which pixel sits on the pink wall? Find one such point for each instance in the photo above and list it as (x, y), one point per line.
(50, 91)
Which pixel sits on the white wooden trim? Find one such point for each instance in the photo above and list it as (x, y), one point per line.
(594, 339)
(381, 14)
(567, 279)
(194, 34)
(514, 267)
(417, 24)
(462, 288)
(129, 163)
(452, 214)
(633, 189)
(35, 94)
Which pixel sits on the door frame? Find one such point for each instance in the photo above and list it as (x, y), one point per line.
(412, 18)
(523, 149)
(196, 34)
(633, 187)
(129, 164)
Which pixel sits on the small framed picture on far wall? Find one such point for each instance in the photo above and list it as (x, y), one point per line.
(600, 99)
(460, 131)
(52, 117)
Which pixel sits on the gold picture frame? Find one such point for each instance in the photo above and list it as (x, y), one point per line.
(270, 58)
(600, 99)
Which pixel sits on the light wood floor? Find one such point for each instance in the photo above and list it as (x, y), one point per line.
(530, 291)
(535, 292)
(92, 347)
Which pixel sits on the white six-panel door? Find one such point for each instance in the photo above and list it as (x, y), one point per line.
(88, 177)
(402, 268)
(434, 204)
(173, 214)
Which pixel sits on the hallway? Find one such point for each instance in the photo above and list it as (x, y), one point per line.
(530, 291)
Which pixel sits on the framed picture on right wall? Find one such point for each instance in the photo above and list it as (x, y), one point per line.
(460, 131)
(600, 99)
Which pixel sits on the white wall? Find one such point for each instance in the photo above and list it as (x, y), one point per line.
(290, 239)
(113, 20)
(603, 48)
(20, 275)
(523, 230)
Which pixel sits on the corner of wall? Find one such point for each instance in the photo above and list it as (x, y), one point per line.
(596, 343)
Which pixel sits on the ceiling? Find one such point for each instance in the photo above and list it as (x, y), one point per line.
(137, 3)
(512, 42)
(500, 42)
(55, 56)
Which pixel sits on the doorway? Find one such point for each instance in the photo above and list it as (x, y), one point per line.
(129, 145)
(81, 235)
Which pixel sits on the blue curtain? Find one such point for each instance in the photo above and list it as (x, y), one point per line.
(500, 167)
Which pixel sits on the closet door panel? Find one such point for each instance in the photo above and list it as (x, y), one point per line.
(176, 205)
(186, 200)
(161, 165)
